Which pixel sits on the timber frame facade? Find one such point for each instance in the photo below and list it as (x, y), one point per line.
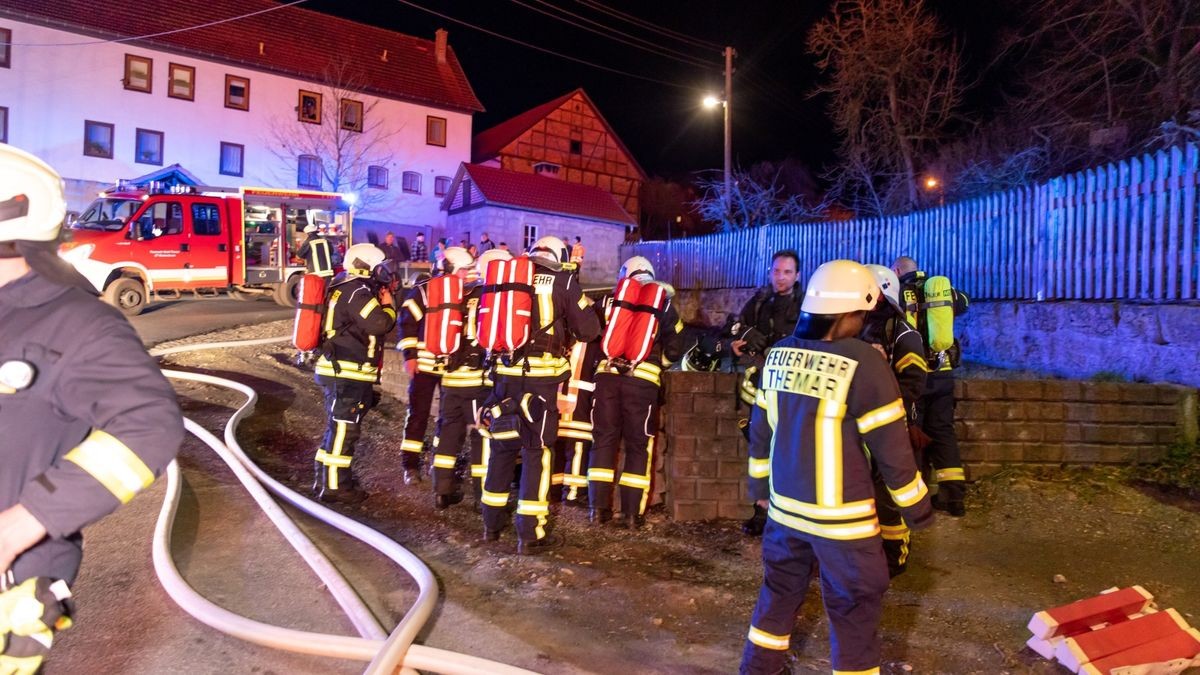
(569, 139)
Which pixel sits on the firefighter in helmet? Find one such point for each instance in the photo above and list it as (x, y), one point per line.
(933, 317)
(824, 396)
(316, 252)
(887, 330)
(424, 370)
(465, 386)
(89, 420)
(358, 315)
(626, 406)
(521, 414)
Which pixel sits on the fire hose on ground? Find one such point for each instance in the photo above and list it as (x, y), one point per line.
(385, 653)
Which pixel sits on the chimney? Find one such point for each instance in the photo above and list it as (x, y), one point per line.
(439, 45)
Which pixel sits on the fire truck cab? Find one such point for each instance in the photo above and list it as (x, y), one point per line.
(136, 246)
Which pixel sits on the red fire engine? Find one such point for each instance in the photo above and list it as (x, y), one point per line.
(141, 245)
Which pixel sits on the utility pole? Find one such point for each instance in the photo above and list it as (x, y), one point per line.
(729, 54)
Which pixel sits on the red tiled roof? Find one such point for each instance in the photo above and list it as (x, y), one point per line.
(295, 41)
(487, 144)
(548, 195)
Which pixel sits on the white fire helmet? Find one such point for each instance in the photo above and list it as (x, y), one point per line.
(888, 282)
(840, 287)
(309, 229)
(550, 252)
(362, 258)
(488, 256)
(637, 266)
(32, 206)
(457, 258)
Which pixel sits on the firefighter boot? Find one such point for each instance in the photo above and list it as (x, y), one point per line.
(346, 490)
(599, 515)
(949, 498)
(633, 521)
(442, 502)
(538, 546)
(754, 525)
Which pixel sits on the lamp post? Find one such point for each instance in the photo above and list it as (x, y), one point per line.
(711, 101)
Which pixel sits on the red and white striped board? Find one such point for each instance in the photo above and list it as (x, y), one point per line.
(1079, 616)
(1167, 655)
(1075, 652)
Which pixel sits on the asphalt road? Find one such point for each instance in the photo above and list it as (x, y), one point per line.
(176, 319)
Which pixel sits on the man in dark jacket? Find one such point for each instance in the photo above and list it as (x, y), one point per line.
(358, 316)
(316, 253)
(767, 318)
(89, 420)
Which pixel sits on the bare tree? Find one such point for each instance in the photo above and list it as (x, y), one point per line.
(352, 136)
(894, 85)
(1102, 79)
(753, 202)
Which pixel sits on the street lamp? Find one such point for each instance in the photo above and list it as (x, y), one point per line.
(931, 184)
(710, 102)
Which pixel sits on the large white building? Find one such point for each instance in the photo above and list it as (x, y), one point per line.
(112, 91)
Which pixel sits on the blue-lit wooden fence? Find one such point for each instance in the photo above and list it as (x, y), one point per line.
(1125, 231)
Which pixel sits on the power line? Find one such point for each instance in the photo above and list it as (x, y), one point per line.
(154, 35)
(646, 25)
(542, 49)
(645, 45)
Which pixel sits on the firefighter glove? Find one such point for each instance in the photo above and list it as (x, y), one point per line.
(919, 439)
(30, 614)
(756, 342)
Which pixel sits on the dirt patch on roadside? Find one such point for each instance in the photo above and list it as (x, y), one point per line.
(676, 597)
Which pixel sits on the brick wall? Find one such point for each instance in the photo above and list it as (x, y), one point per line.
(999, 422)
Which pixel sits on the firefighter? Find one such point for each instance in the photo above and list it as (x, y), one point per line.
(316, 253)
(573, 449)
(358, 315)
(626, 407)
(88, 418)
(768, 317)
(521, 414)
(824, 396)
(937, 403)
(887, 330)
(424, 370)
(465, 386)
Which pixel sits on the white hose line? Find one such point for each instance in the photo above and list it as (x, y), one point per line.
(397, 652)
(406, 631)
(201, 346)
(276, 637)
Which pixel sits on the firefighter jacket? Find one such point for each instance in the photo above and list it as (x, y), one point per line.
(666, 350)
(317, 255)
(353, 330)
(772, 314)
(905, 351)
(412, 332)
(89, 420)
(561, 316)
(912, 291)
(464, 368)
(823, 412)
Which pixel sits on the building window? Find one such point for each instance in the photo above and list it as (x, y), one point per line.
(3, 124)
(237, 92)
(435, 131)
(148, 147)
(412, 182)
(309, 108)
(6, 48)
(206, 219)
(232, 159)
(546, 168)
(352, 115)
(308, 172)
(530, 237)
(97, 139)
(377, 177)
(576, 147)
(441, 185)
(138, 73)
(465, 186)
(181, 82)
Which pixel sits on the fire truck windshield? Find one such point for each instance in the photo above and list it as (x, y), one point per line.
(107, 214)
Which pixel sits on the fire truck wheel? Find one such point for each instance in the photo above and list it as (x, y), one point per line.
(127, 295)
(287, 293)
